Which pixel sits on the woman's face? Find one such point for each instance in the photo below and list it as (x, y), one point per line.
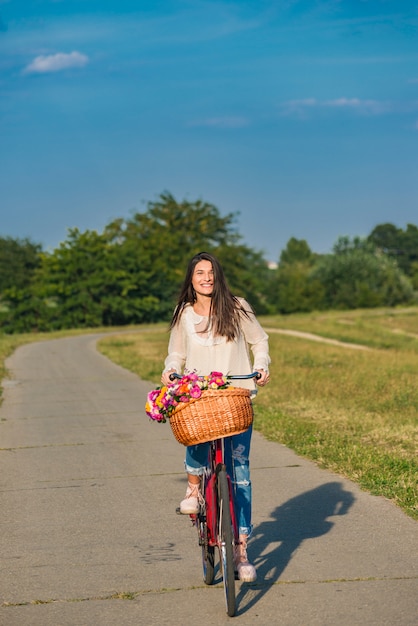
(202, 279)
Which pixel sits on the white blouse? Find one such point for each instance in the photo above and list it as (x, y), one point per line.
(192, 350)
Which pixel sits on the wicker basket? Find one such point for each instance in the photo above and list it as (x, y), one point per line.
(217, 413)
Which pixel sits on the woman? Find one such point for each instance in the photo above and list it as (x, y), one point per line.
(211, 330)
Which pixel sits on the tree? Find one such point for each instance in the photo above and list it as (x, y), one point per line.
(158, 244)
(19, 259)
(132, 272)
(357, 275)
(401, 245)
(22, 311)
(248, 275)
(291, 288)
(409, 257)
(80, 279)
(297, 251)
(386, 237)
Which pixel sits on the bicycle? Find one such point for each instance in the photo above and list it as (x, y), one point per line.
(216, 522)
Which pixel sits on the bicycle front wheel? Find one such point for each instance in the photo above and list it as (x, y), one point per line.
(226, 542)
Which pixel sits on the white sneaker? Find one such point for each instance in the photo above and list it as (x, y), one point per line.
(190, 504)
(245, 570)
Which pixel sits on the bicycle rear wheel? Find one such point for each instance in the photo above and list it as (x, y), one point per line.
(208, 555)
(226, 542)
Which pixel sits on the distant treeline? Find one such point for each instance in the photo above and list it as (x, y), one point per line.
(131, 272)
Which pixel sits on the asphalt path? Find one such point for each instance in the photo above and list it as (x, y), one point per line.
(89, 535)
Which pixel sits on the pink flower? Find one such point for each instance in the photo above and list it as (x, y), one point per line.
(195, 392)
(216, 379)
(162, 401)
(153, 395)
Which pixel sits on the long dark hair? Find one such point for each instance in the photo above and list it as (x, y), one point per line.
(225, 308)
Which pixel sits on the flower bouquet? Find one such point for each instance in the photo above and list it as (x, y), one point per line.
(161, 402)
(201, 408)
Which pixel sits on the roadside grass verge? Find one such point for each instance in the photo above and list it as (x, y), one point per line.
(353, 412)
(376, 328)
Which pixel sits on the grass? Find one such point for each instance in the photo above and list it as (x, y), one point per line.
(376, 328)
(354, 412)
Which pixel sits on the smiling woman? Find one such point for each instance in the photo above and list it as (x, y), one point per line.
(202, 283)
(212, 331)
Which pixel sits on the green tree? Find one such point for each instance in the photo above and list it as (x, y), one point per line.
(89, 284)
(132, 272)
(414, 275)
(291, 287)
(297, 251)
(293, 290)
(401, 245)
(248, 275)
(73, 278)
(158, 244)
(21, 311)
(19, 259)
(409, 257)
(359, 276)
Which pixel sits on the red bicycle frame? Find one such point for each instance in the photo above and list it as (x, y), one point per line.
(216, 462)
(216, 523)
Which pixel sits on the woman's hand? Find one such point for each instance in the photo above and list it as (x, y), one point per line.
(264, 379)
(165, 377)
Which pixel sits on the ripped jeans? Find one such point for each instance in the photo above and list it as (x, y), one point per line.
(237, 453)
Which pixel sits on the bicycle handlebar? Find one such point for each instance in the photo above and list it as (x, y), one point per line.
(256, 375)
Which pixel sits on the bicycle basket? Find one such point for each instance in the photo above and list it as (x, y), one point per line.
(217, 413)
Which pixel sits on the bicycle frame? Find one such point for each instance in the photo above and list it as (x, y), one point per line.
(216, 524)
(217, 527)
(215, 464)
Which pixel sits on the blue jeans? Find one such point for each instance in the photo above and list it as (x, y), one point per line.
(237, 453)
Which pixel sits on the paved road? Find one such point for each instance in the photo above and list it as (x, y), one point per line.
(89, 535)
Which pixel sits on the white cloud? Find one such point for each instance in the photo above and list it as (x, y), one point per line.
(370, 107)
(56, 62)
(345, 102)
(222, 122)
(373, 107)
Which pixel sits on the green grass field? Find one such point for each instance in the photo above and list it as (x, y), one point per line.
(352, 411)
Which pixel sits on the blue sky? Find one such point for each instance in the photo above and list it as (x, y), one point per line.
(301, 115)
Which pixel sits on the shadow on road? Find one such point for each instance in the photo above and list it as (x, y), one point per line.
(301, 518)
